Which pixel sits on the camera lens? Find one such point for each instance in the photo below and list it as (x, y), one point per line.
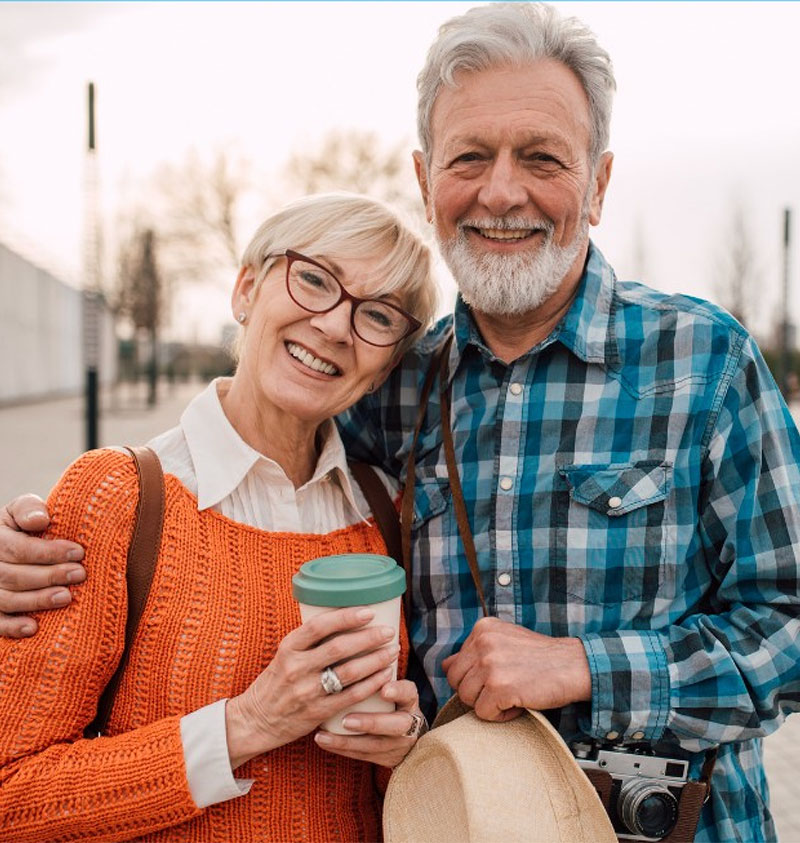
(647, 808)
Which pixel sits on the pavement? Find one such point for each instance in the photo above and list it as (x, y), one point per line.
(38, 440)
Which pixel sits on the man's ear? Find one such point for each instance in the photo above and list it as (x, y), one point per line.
(422, 179)
(602, 175)
(243, 291)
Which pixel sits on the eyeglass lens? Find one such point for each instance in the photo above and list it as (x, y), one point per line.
(317, 290)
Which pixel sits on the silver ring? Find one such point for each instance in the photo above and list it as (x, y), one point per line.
(330, 682)
(418, 727)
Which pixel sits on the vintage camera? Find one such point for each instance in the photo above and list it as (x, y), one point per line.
(645, 791)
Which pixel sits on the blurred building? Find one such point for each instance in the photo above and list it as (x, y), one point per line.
(40, 322)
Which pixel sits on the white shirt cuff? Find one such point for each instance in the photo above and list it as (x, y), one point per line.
(205, 751)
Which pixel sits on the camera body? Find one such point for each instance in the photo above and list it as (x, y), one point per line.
(646, 788)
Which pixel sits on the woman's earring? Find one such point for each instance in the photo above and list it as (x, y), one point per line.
(241, 318)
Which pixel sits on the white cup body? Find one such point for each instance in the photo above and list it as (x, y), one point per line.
(387, 613)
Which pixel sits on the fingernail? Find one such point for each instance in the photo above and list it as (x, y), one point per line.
(74, 555)
(61, 598)
(37, 513)
(78, 575)
(322, 738)
(365, 614)
(27, 629)
(351, 722)
(387, 632)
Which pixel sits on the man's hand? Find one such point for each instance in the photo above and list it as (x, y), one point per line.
(502, 669)
(33, 571)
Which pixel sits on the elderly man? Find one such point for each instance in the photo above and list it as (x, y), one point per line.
(622, 498)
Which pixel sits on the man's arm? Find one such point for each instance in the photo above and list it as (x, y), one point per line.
(728, 671)
(33, 571)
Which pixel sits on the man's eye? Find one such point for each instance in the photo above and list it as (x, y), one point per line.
(467, 158)
(544, 158)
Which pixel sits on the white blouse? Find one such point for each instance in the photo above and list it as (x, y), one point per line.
(225, 474)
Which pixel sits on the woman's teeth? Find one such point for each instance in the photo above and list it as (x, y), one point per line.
(308, 359)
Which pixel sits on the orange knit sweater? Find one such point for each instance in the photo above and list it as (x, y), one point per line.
(219, 605)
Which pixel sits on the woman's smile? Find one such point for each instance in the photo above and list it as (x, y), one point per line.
(309, 360)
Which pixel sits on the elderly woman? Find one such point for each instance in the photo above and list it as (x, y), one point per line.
(212, 735)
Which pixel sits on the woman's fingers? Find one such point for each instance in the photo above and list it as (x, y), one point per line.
(315, 630)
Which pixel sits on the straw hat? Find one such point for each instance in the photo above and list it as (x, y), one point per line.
(472, 780)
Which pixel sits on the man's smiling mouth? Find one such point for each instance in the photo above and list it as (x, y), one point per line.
(307, 358)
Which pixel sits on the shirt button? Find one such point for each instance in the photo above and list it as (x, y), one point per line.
(504, 579)
(614, 502)
(506, 483)
(612, 736)
(516, 388)
(637, 736)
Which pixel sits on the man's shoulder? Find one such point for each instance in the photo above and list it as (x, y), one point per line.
(673, 337)
(655, 305)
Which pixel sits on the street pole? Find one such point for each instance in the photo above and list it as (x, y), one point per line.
(91, 287)
(786, 352)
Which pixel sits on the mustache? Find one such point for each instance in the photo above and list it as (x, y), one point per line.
(508, 224)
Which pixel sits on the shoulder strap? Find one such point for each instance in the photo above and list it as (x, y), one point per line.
(382, 507)
(142, 555)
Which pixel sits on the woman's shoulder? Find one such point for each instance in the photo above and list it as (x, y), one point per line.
(99, 490)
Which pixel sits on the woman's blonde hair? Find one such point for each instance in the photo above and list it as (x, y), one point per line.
(347, 225)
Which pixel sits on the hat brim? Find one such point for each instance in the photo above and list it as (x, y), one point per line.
(473, 780)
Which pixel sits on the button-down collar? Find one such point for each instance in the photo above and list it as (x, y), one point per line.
(222, 459)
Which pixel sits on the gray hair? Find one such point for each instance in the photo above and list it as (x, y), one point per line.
(347, 225)
(504, 34)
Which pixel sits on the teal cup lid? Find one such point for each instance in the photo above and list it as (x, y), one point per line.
(348, 579)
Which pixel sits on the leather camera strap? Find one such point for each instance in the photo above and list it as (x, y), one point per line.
(439, 365)
(465, 531)
(141, 564)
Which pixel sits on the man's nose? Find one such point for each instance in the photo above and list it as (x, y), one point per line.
(503, 188)
(336, 324)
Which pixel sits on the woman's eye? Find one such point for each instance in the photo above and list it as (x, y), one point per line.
(312, 279)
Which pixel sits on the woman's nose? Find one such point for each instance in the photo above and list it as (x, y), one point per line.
(336, 324)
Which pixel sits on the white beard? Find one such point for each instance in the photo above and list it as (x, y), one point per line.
(508, 285)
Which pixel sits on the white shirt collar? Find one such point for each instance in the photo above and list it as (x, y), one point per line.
(222, 459)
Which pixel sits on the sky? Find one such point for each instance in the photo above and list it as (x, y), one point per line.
(705, 120)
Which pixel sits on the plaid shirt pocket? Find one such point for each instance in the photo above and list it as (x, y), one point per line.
(611, 531)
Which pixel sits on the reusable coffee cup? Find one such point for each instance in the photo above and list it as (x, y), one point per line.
(352, 579)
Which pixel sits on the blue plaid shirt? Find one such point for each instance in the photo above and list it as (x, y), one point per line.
(632, 480)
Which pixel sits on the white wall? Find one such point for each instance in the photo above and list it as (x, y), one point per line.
(40, 330)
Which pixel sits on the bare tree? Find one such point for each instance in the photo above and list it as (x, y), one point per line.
(141, 294)
(197, 205)
(738, 271)
(357, 161)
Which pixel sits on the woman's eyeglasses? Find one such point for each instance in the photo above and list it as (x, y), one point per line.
(317, 290)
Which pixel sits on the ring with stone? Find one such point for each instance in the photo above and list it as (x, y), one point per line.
(330, 682)
(418, 726)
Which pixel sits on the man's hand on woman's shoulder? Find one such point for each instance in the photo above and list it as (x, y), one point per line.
(33, 571)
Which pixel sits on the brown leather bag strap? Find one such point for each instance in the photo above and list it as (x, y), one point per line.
(407, 504)
(456, 492)
(141, 564)
(382, 506)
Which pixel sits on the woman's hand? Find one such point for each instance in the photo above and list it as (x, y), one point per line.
(287, 700)
(386, 740)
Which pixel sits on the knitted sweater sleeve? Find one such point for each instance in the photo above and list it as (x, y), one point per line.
(54, 783)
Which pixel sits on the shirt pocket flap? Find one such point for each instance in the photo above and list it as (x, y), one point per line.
(430, 498)
(618, 489)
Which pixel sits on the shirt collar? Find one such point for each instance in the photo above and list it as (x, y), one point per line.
(222, 459)
(587, 328)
